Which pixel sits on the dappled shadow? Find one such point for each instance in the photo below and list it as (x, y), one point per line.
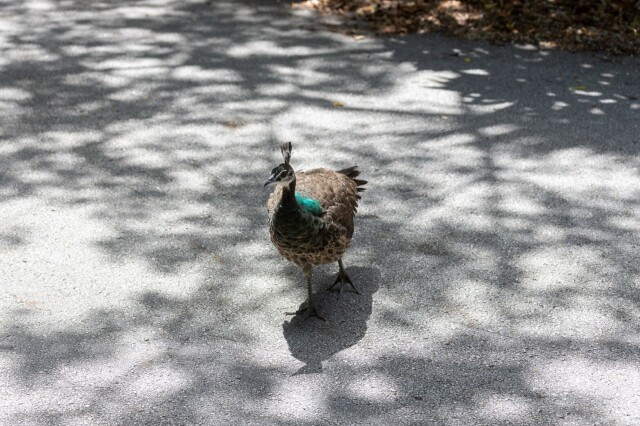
(495, 247)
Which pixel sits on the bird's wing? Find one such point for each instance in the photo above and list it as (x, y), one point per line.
(336, 193)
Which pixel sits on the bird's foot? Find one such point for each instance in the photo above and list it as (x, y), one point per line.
(342, 279)
(307, 311)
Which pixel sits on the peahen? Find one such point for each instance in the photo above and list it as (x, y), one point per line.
(311, 218)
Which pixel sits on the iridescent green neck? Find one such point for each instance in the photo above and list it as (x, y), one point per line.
(309, 204)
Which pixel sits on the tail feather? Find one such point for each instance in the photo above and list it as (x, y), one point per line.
(360, 183)
(353, 173)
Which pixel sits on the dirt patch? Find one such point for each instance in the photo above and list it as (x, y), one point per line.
(611, 26)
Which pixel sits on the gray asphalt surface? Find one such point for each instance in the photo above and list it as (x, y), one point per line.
(496, 247)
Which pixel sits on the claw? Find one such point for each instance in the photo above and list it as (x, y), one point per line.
(306, 312)
(343, 278)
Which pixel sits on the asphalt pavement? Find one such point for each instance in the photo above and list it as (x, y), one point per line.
(496, 248)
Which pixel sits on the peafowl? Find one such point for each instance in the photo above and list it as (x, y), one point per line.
(311, 219)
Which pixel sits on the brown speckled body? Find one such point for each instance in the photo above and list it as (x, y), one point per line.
(307, 239)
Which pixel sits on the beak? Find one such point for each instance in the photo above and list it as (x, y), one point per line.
(272, 179)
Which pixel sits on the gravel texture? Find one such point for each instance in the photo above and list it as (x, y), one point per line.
(496, 247)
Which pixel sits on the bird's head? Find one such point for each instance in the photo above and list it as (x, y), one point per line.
(283, 173)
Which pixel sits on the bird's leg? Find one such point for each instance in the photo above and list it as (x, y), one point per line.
(310, 309)
(342, 278)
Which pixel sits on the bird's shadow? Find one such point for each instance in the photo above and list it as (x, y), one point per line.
(313, 341)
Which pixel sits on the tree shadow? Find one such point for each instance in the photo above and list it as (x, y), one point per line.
(501, 215)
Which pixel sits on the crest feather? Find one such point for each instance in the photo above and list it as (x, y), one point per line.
(285, 148)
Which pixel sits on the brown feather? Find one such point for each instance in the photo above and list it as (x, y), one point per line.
(305, 233)
(337, 193)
